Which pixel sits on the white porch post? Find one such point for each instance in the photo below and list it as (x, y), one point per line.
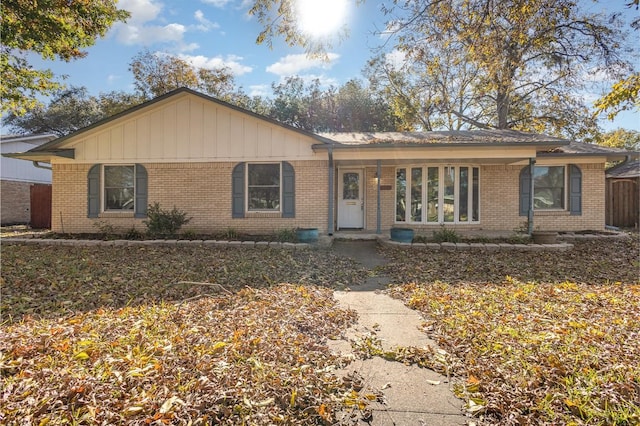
(378, 210)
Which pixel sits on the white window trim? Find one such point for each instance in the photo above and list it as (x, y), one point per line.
(565, 192)
(425, 184)
(102, 188)
(246, 189)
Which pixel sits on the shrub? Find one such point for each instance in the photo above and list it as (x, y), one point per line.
(164, 223)
(230, 234)
(286, 235)
(445, 235)
(107, 230)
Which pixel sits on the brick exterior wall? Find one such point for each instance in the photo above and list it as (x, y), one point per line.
(499, 202)
(16, 202)
(203, 190)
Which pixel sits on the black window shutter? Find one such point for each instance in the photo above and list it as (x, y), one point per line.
(93, 191)
(288, 190)
(575, 190)
(525, 191)
(237, 191)
(141, 191)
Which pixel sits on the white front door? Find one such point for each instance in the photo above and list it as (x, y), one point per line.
(350, 199)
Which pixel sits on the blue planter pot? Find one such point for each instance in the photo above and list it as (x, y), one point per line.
(307, 235)
(402, 235)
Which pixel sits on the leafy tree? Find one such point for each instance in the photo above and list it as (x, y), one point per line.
(156, 74)
(621, 138)
(525, 59)
(69, 110)
(624, 94)
(51, 29)
(350, 107)
(359, 109)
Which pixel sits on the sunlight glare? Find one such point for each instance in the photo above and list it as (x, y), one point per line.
(321, 18)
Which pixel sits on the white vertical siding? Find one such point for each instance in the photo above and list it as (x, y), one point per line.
(189, 128)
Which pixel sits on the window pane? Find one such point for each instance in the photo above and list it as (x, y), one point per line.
(263, 187)
(416, 194)
(401, 195)
(264, 174)
(449, 193)
(261, 198)
(350, 186)
(119, 193)
(463, 207)
(432, 194)
(476, 194)
(548, 192)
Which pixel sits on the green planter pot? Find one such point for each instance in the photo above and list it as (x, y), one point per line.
(402, 235)
(307, 235)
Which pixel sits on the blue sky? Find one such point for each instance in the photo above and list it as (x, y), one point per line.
(220, 32)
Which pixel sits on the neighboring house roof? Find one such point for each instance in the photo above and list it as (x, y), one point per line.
(626, 170)
(16, 170)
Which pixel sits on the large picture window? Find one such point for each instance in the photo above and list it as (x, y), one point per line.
(263, 187)
(451, 194)
(549, 187)
(119, 188)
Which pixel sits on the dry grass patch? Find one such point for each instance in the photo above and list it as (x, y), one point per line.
(545, 352)
(51, 281)
(256, 357)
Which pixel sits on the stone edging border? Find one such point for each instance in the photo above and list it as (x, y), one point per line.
(477, 246)
(561, 246)
(165, 243)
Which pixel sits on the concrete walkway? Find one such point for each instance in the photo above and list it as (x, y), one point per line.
(410, 395)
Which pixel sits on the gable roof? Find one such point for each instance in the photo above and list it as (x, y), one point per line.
(53, 147)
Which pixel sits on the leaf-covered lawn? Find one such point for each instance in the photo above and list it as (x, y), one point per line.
(105, 335)
(256, 357)
(556, 345)
(49, 281)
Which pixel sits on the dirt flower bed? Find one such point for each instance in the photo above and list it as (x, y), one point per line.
(51, 281)
(256, 357)
(558, 348)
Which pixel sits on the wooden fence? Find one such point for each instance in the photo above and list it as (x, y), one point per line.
(623, 202)
(40, 206)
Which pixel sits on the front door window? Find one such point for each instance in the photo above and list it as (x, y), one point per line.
(351, 186)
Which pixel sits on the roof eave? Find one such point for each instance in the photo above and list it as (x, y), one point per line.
(610, 156)
(337, 145)
(44, 156)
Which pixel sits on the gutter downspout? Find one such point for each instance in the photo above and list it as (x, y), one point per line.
(532, 163)
(330, 212)
(40, 166)
(378, 212)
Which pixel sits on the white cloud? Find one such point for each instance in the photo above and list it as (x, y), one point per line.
(293, 64)
(203, 23)
(216, 3)
(151, 34)
(141, 29)
(141, 10)
(262, 90)
(230, 61)
(395, 59)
